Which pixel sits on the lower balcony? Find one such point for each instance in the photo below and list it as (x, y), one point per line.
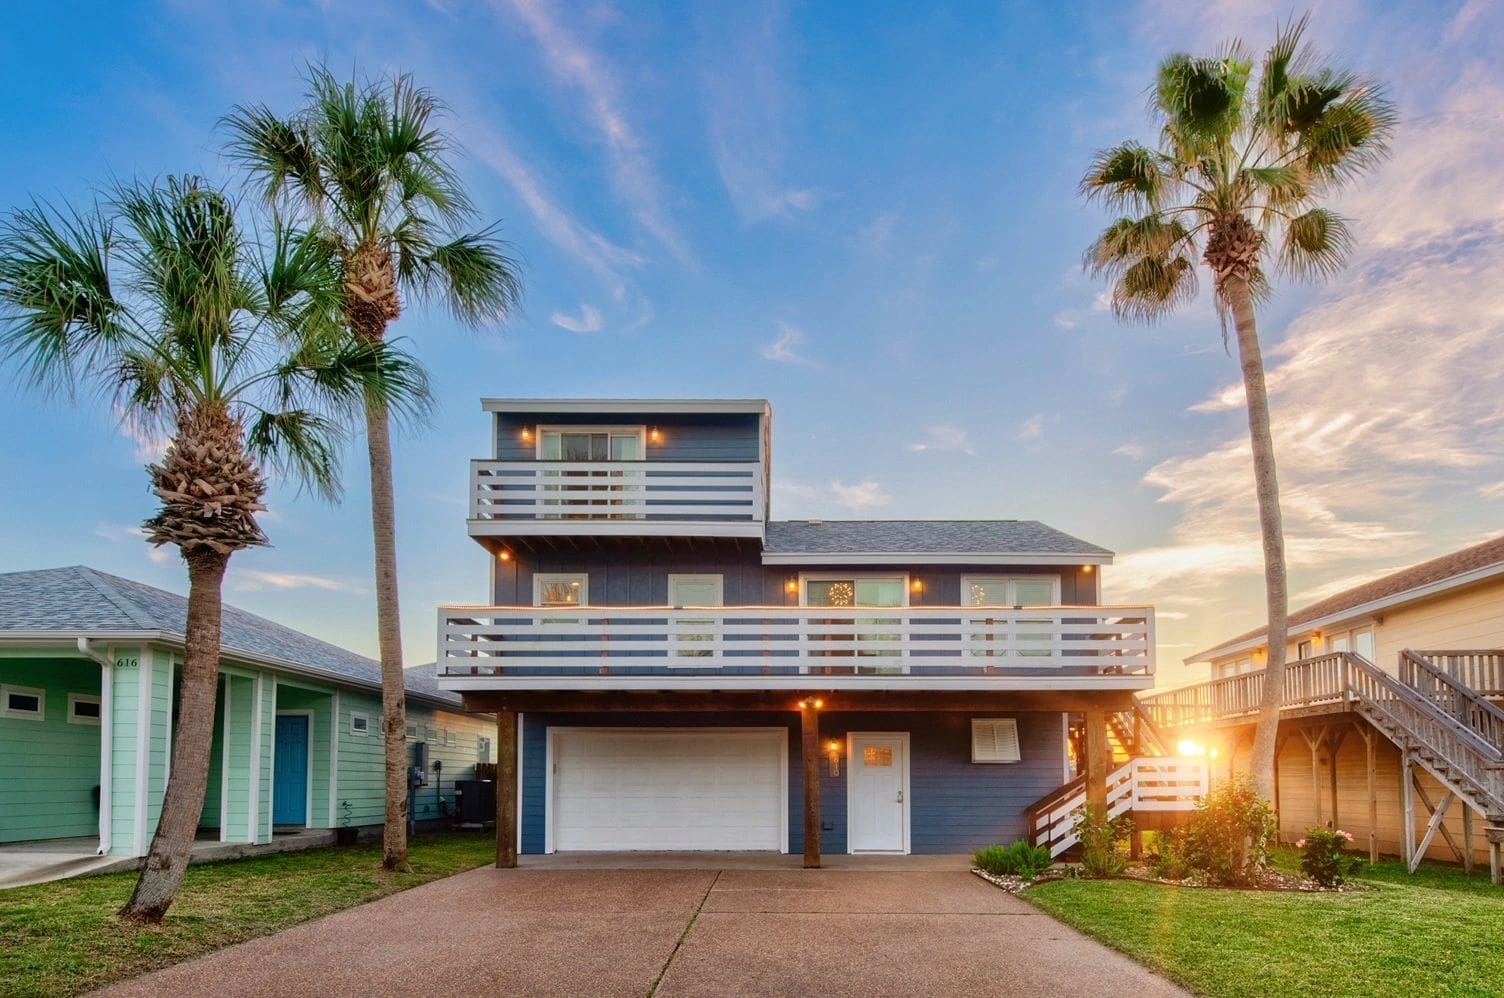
(790, 648)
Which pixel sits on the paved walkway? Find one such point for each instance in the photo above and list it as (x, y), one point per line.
(45, 860)
(673, 932)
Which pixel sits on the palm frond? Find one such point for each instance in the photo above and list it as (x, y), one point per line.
(1316, 243)
(1202, 99)
(1128, 176)
(59, 314)
(300, 444)
(277, 154)
(1153, 287)
(1349, 136)
(477, 280)
(1128, 240)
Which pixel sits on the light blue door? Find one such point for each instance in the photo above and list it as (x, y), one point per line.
(290, 774)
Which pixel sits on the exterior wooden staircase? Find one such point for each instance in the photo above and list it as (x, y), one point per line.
(1439, 721)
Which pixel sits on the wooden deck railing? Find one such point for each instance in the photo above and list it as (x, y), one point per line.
(1453, 696)
(744, 645)
(1480, 671)
(1152, 783)
(704, 492)
(1309, 682)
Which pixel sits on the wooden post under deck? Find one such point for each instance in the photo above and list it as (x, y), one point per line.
(506, 789)
(1370, 738)
(1096, 761)
(809, 741)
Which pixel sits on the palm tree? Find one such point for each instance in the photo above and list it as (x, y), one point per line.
(367, 168)
(1237, 180)
(158, 297)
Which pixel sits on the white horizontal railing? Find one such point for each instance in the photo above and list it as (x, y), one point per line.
(1146, 783)
(797, 640)
(689, 491)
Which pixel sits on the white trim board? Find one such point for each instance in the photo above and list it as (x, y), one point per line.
(624, 406)
(334, 730)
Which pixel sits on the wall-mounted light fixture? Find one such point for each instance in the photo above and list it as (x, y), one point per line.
(833, 753)
(504, 555)
(916, 586)
(811, 703)
(791, 586)
(526, 434)
(1086, 569)
(655, 436)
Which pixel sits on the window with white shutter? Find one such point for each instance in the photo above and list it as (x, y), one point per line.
(994, 739)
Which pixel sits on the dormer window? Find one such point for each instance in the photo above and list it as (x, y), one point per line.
(592, 443)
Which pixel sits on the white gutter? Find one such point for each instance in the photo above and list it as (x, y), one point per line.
(106, 738)
(623, 406)
(928, 558)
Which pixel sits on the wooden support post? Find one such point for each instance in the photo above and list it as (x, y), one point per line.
(506, 789)
(1096, 761)
(1333, 746)
(1436, 810)
(1407, 811)
(1467, 839)
(1279, 822)
(809, 741)
(1370, 739)
(1495, 845)
(1315, 744)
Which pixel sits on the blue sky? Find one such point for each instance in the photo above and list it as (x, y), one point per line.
(864, 213)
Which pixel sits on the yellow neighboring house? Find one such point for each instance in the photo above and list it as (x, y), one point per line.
(1392, 726)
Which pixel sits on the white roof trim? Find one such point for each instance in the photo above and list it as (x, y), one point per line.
(26, 639)
(999, 683)
(1361, 610)
(646, 406)
(837, 559)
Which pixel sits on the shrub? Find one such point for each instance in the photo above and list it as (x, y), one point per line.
(1102, 841)
(1167, 860)
(1322, 857)
(1229, 836)
(1021, 859)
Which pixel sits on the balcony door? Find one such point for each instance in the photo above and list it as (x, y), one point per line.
(694, 591)
(1010, 591)
(877, 637)
(603, 492)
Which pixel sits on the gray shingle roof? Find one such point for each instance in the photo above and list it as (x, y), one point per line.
(989, 537)
(82, 600)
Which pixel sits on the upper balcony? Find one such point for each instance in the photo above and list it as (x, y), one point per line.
(484, 648)
(623, 468)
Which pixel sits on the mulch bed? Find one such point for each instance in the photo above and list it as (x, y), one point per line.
(1268, 880)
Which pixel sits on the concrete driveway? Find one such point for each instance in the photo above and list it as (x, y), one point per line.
(670, 932)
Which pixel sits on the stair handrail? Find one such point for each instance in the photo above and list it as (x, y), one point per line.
(1481, 763)
(1156, 736)
(1452, 662)
(1450, 693)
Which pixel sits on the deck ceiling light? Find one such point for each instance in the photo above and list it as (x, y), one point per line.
(505, 555)
(1085, 569)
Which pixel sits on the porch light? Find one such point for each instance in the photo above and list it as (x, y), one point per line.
(833, 751)
(527, 434)
(791, 586)
(654, 436)
(916, 586)
(505, 555)
(1086, 569)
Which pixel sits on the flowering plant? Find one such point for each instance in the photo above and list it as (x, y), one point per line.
(1229, 836)
(1323, 859)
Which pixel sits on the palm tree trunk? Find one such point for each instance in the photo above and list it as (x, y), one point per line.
(389, 636)
(183, 803)
(1266, 486)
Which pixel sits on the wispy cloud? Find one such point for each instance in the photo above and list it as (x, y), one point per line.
(1031, 428)
(1492, 490)
(875, 236)
(158, 554)
(785, 349)
(587, 71)
(744, 97)
(945, 437)
(866, 494)
(1132, 450)
(811, 500)
(588, 321)
(255, 580)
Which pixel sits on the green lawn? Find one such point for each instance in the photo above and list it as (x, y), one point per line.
(62, 938)
(1434, 933)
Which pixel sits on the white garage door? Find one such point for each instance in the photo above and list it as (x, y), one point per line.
(662, 789)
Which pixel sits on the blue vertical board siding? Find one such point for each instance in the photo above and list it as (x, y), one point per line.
(635, 575)
(956, 806)
(682, 436)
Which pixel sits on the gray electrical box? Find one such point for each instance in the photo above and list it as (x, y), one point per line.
(420, 755)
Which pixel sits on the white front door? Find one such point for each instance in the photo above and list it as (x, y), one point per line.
(877, 811)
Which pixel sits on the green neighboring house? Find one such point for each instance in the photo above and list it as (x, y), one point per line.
(88, 697)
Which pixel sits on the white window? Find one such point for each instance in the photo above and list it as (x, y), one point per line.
(591, 443)
(1339, 642)
(848, 590)
(994, 739)
(23, 702)
(1302, 650)
(446, 737)
(483, 749)
(561, 589)
(694, 590)
(360, 724)
(83, 708)
(1010, 590)
(1363, 642)
(412, 732)
(1013, 591)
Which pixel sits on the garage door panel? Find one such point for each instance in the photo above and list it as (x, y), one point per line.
(661, 790)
